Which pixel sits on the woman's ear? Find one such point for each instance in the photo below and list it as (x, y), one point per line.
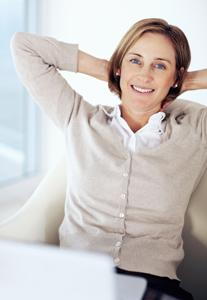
(182, 70)
(179, 75)
(118, 72)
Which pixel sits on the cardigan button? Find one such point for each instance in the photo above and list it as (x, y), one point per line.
(123, 196)
(118, 244)
(121, 215)
(116, 260)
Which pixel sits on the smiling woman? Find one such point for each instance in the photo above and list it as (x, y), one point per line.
(120, 199)
(151, 61)
(145, 85)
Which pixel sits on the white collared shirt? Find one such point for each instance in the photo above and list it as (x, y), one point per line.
(149, 135)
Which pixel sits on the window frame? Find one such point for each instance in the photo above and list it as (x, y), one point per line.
(32, 117)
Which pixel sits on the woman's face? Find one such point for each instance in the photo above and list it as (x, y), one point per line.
(147, 73)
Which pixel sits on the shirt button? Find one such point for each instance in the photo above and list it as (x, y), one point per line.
(118, 244)
(121, 215)
(116, 260)
(125, 174)
(123, 196)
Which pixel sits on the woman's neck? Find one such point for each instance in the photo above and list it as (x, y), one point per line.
(136, 120)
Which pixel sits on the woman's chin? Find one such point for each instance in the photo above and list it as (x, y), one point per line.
(141, 105)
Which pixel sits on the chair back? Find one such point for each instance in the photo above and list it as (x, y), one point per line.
(193, 269)
(40, 217)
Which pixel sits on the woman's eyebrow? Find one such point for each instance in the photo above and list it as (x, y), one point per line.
(164, 59)
(137, 54)
(156, 58)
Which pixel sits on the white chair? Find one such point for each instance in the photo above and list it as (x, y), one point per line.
(39, 219)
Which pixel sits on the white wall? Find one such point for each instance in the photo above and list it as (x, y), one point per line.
(97, 26)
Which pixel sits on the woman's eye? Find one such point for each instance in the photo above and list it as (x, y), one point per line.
(135, 61)
(160, 66)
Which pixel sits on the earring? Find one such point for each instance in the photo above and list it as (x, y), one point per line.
(117, 77)
(175, 86)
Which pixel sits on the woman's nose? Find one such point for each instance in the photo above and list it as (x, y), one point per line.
(145, 74)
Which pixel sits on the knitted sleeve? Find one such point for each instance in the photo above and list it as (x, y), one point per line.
(37, 61)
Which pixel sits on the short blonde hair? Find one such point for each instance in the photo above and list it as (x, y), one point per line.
(154, 25)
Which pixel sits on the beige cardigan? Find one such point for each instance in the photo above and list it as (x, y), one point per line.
(129, 205)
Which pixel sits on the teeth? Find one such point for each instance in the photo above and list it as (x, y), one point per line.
(142, 90)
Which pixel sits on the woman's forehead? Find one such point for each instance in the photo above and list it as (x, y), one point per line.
(153, 44)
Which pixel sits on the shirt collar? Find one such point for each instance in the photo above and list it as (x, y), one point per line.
(110, 111)
(157, 118)
(154, 122)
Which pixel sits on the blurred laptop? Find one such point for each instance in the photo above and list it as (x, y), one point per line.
(40, 272)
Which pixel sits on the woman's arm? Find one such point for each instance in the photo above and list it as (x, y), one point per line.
(92, 66)
(195, 80)
(38, 60)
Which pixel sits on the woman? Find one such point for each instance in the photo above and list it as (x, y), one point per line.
(133, 167)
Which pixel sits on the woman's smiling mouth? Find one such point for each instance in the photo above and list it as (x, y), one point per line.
(141, 89)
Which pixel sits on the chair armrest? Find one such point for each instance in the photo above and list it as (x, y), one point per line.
(193, 270)
(40, 217)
